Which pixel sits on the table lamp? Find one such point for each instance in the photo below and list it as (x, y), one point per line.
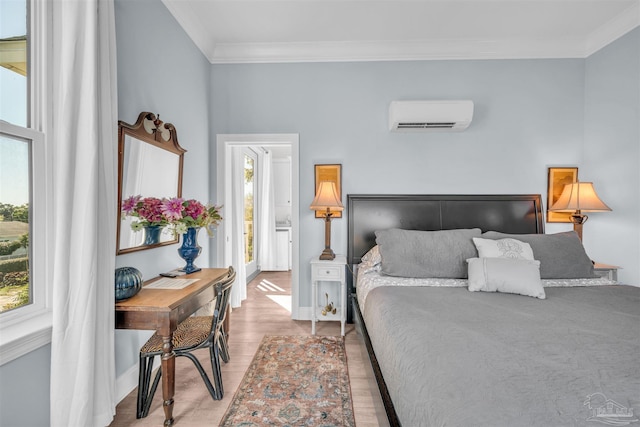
(327, 202)
(578, 197)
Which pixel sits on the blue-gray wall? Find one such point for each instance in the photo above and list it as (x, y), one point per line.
(530, 114)
(24, 390)
(612, 153)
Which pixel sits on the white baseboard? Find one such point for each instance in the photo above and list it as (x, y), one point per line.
(126, 382)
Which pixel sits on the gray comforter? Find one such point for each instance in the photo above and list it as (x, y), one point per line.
(451, 357)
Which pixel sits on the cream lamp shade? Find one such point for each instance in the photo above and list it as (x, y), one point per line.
(327, 202)
(326, 198)
(577, 197)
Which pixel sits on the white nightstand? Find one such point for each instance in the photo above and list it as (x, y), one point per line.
(328, 271)
(605, 270)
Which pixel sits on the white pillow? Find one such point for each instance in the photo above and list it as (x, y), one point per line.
(503, 248)
(514, 276)
(372, 256)
(370, 261)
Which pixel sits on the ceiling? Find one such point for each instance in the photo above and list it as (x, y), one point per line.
(250, 31)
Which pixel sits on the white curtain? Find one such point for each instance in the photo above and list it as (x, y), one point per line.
(266, 214)
(239, 289)
(83, 143)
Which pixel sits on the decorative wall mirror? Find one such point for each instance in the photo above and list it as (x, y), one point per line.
(150, 163)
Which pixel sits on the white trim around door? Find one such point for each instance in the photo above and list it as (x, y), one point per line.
(224, 142)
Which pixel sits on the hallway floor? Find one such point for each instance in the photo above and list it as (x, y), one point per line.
(266, 311)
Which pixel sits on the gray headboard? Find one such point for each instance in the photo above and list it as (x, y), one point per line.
(517, 214)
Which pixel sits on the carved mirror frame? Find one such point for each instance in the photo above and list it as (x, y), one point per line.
(158, 143)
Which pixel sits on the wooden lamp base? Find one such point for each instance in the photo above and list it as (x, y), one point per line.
(578, 219)
(327, 254)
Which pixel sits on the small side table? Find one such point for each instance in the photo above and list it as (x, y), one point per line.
(328, 271)
(606, 270)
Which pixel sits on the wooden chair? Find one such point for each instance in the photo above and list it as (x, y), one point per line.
(193, 333)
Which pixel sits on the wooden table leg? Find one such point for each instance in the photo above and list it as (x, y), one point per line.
(168, 379)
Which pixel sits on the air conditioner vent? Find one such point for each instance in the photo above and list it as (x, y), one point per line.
(424, 116)
(448, 125)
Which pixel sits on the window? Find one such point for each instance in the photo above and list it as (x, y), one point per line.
(15, 194)
(25, 319)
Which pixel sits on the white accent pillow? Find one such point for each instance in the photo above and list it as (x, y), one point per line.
(372, 256)
(370, 261)
(514, 276)
(503, 248)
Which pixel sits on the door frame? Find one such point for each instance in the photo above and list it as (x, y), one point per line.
(224, 142)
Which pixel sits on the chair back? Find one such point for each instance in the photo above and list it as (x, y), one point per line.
(223, 292)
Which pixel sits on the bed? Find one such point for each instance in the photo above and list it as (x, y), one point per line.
(445, 356)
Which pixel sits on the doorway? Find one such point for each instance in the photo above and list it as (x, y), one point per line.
(226, 144)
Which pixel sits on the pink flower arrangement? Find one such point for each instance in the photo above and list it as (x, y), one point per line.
(176, 213)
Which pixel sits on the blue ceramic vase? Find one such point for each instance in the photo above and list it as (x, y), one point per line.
(190, 249)
(128, 282)
(152, 234)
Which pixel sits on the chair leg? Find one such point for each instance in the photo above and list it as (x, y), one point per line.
(152, 392)
(141, 386)
(144, 380)
(215, 367)
(212, 391)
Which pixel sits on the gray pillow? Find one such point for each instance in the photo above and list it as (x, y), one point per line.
(437, 254)
(561, 255)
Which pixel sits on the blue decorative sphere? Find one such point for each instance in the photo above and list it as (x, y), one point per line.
(128, 282)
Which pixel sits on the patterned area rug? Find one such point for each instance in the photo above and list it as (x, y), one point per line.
(294, 381)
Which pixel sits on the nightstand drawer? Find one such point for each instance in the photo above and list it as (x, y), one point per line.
(328, 273)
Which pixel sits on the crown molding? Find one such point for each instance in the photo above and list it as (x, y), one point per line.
(384, 50)
(226, 53)
(613, 30)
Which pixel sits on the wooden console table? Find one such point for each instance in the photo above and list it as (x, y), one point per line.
(162, 310)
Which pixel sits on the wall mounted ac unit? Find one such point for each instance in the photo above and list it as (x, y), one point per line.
(420, 116)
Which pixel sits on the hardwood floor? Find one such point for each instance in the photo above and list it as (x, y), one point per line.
(262, 313)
